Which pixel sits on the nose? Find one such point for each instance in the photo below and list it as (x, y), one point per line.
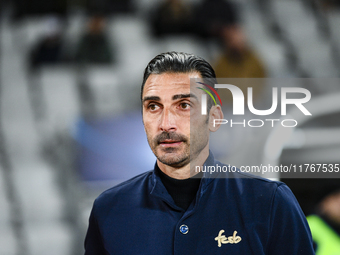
(167, 121)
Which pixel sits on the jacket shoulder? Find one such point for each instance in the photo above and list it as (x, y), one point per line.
(125, 189)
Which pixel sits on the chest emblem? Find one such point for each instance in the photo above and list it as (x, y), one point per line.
(222, 239)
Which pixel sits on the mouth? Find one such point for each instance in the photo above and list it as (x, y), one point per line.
(170, 143)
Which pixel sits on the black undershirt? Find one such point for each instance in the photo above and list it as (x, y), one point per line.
(182, 192)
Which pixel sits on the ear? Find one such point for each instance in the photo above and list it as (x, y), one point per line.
(215, 114)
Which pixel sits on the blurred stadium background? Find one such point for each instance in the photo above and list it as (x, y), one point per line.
(68, 130)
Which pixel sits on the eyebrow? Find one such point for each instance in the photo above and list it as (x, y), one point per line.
(180, 96)
(151, 98)
(175, 97)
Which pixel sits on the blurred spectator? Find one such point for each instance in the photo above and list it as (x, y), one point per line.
(212, 16)
(171, 17)
(237, 59)
(94, 46)
(330, 4)
(48, 49)
(109, 7)
(325, 223)
(23, 8)
(219, 19)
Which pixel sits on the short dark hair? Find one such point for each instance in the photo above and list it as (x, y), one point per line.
(179, 62)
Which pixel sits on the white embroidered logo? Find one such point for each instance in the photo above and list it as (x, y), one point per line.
(222, 239)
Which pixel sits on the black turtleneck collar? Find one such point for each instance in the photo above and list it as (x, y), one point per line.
(182, 192)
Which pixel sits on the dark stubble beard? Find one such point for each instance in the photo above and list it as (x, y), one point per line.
(170, 157)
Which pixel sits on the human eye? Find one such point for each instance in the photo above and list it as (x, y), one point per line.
(184, 105)
(152, 107)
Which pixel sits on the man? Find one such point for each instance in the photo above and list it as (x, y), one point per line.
(166, 212)
(325, 222)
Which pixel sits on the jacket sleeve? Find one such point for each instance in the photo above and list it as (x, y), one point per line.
(93, 241)
(289, 230)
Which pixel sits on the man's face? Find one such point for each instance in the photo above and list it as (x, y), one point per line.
(169, 107)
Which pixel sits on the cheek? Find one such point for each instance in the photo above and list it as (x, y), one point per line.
(198, 120)
(199, 126)
(147, 127)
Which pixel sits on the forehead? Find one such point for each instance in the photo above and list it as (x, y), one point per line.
(168, 83)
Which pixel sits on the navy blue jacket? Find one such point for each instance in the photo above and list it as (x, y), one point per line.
(241, 215)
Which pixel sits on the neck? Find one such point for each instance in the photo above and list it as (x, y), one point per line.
(182, 173)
